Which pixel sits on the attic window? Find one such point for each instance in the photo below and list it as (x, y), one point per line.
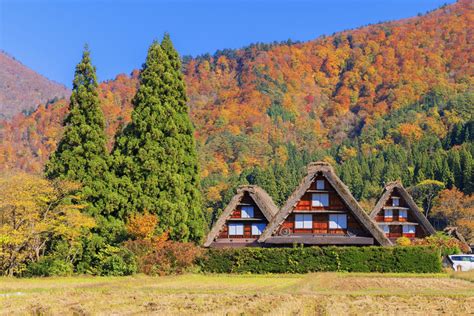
(337, 221)
(320, 199)
(409, 229)
(402, 214)
(236, 229)
(319, 184)
(385, 229)
(257, 229)
(303, 221)
(395, 201)
(247, 212)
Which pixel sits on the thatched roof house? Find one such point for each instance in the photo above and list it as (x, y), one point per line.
(322, 211)
(398, 215)
(243, 220)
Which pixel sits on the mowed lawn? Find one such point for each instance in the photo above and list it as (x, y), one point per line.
(197, 294)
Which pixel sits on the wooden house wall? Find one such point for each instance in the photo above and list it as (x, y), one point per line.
(246, 200)
(321, 220)
(396, 231)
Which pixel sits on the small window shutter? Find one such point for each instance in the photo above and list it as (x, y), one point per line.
(247, 212)
(320, 184)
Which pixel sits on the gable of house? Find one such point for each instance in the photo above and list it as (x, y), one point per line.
(398, 215)
(322, 211)
(243, 220)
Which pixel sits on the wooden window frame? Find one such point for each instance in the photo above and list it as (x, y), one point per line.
(318, 186)
(235, 225)
(304, 221)
(313, 200)
(246, 212)
(337, 221)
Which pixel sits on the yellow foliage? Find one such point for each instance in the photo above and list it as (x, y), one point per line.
(32, 210)
(142, 225)
(403, 241)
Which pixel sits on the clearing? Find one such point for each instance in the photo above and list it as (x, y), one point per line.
(197, 294)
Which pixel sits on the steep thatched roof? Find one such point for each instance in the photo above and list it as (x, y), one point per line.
(326, 170)
(387, 193)
(260, 196)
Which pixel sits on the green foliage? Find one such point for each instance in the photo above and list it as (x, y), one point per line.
(49, 266)
(81, 154)
(313, 259)
(116, 261)
(155, 156)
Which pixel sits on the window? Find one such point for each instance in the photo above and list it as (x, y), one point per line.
(236, 229)
(402, 214)
(320, 199)
(409, 229)
(395, 201)
(319, 184)
(304, 221)
(388, 214)
(257, 229)
(385, 229)
(247, 212)
(337, 221)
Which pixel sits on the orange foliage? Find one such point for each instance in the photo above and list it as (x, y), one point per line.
(317, 92)
(142, 225)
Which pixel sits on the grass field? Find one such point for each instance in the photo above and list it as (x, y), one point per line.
(195, 294)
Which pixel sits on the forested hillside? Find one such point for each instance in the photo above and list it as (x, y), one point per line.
(387, 101)
(22, 89)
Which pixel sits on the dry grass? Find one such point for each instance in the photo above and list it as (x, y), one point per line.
(194, 294)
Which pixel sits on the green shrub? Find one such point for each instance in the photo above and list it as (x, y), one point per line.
(446, 244)
(312, 259)
(49, 266)
(116, 261)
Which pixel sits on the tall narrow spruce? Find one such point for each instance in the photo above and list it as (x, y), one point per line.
(155, 157)
(81, 154)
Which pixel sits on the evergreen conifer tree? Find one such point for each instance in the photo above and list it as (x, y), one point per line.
(155, 157)
(81, 154)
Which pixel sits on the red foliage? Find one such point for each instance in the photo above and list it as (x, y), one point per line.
(322, 87)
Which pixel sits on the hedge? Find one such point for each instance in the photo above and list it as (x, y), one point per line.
(418, 259)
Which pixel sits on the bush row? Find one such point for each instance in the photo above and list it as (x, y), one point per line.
(419, 259)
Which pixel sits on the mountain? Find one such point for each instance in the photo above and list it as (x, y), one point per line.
(22, 89)
(358, 95)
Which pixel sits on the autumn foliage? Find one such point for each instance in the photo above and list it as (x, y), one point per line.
(35, 211)
(310, 93)
(457, 209)
(157, 255)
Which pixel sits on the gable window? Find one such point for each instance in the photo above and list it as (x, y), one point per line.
(402, 214)
(385, 229)
(395, 201)
(409, 229)
(320, 199)
(388, 215)
(247, 212)
(257, 229)
(319, 184)
(304, 221)
(236, 229)
(337, 221)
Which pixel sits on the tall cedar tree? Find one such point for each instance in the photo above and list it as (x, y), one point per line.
(81, 154)
(155, 157)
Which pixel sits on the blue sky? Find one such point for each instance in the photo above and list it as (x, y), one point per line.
(48, 36)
